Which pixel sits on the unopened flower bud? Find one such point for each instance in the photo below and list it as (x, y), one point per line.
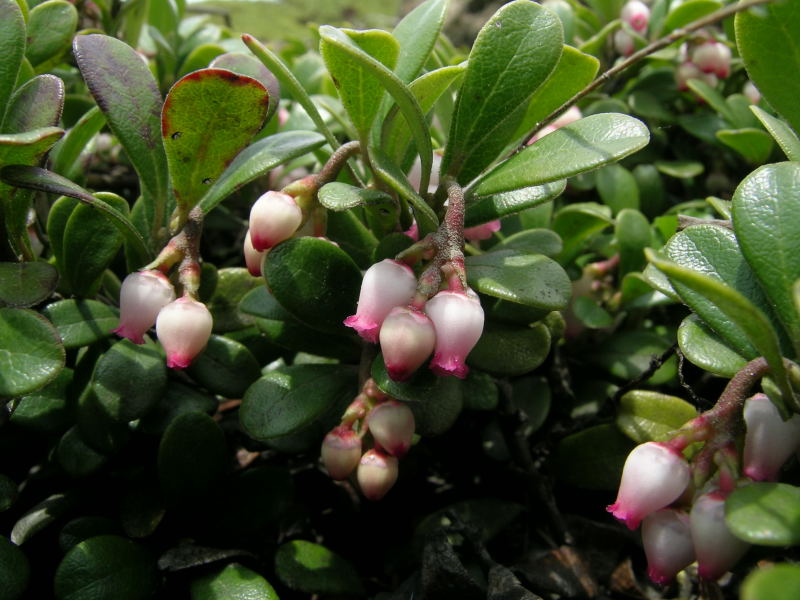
(713, 57)
(252, 257)
(458, 320)
(769, 441)
(482, 232)
(623, 42)
(142, 296)
(183, 328)
(716, 548)
(391, 423)
(636, 14)
(377, 473)
(667, 540)
(341, 452)
(407, 339)
(547, 129)
(751, 92)
(275, 216)
(569, 116)
(653, 477)
(386, 284)
(685, 72)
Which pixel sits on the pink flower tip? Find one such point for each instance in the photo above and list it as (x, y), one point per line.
(128, 332)
(449, 365)
(183, 328)
(274, 217)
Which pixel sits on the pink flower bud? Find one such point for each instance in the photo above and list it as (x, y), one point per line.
(623, 42)
(751, 92)
(377, 473)
(458, 319)
(341, 452)
(713, 57)
(275, 216)
(717, 549)
(541, 133)
(183, 328)
(667, 540)
(385, 285)
(391, 423)
(636, 14)
(407, 339)
(684, 73)
(570, 116)
(482, 232)
(653, 477)
(769, 441)
(143, 294)
(252, 257)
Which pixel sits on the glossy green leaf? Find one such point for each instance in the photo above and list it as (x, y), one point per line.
(714, 99)
(781, 133)
(290, 398)
(524, 349)
(234, 582)
(617, 188)
(311, 568)
(296, 270)
(81, 322)
(632, 231)
(680, 169)
(225, 367)
(764, 209)
(581, 146)
(422, 387)
(530, 279)
(83, 528)
(106, 566)
(341, 196)
(25, 284)
(755, 145)
(45, 411)
(30, 350)
(532, 241)
(393, 176)
(244, 64)
(14, 570)
(12, 49)
(578, 222)
(773, 582)
(686, 12)
(26, 148)
(51, 26)
(178, 400)
(129, 379)
(593, 458)
(76, 457)
(591, 314)
(65, 154)
(503, 204)
(646, 416)
(128, 95)
(257, 159)
(40, 516)
(514, 53)
(629, 354)
(191, 458)
(480, 391)
(232, 285)
(200, 57)
(37, 103)
(209, 116)
(417, 33)
(767, 514)
(704, 348)
(767, 41)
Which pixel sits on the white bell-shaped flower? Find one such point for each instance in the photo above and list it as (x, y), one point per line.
(274, 217)
(183, 328)
(407, 339)
(769, 440)
(716, 548)
(377, 473)
(713, 57)
(142, 296)
(392, 425)
(341, 452)
(636, 14)
(667, 540)
(458, 319)
(252, 257)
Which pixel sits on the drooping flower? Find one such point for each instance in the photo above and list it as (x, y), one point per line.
(716, 548)
(623, 42)
(458, 320)
(653, 477)
(386, 284)
(667, 540)
(713, 57)
(392, 425)
(183, 328)
(341, 452)
(252, 257)
(377, 473)
(769, 440)
(142, 296)
(407, 339)
(636, 14)
(274, 217)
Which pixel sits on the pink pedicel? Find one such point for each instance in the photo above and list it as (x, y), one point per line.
(341, 452)
(377, 473)
(275, 217)
(252, 257)
(458, 320)
(183, 328)
(636, 14)
(386, 284)
(143, 295)
(667, 540)
(769, 440)
(654, 476)
(713, 57)
(482, 232)
(407, 340)
(392, 425)
(716, 548)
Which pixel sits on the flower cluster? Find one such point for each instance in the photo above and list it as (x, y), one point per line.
(705, 59)
(448, 325)
(390, 425)
(274, 217)
(635, 17)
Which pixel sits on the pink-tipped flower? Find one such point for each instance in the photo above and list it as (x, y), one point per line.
(636, 14)
(407, 339)
(143, 294)
(458, 320)
(654, 476)
(183, 328)
(716, 548)
(667, 540)
(252, 257)
(769, 441)
(686, 71)
(751, 92)
(623, 42)
(482, 232)
(275, 216)
(341, 452)
(392, 425)
(377, 473)
(713, 57)
(386, 284)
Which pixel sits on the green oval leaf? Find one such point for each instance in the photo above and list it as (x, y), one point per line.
(781, 133)
(14, 568)
(645, 415)
(577, 223)
(12, 49)
(30, 352)
(51, 26)
(26, 284)
(704, 348)
(417, 33)
(617, 188)
(65, 154)
(45, 411)
(307, 567)
(765, 513)
(629, 354)
(755, 145)
(81, 322)
(234, 582)
(37, 103)
(581, 146)
(342, 196)
(686, 12)
(593, 458)
(76, 457)
(524, 349)
(776, 582)
(503, 204)
(244, 64)
(225, 367)
(633, 236)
